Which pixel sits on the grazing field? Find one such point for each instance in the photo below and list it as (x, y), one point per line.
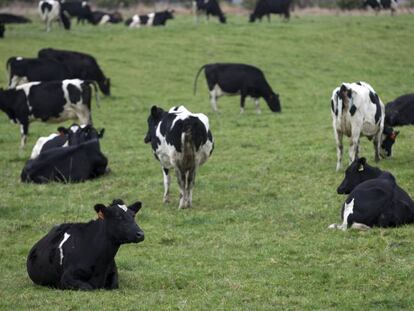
(257, 237)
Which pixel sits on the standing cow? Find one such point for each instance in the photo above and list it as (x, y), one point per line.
(151, 19)
(267, 7)
(51, 10)
(378, 5)
(79, 9)
(357, 110)
(210, 7)
(81, 256)
(180, 140)
(232, 79)
(400, 111)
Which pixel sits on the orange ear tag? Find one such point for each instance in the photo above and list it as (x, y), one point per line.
(101, 215)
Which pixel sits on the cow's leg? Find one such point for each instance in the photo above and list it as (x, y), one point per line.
(339, 148)
(189, 184)
(268, 17)
(353, 148)
(167, 182)
(359, 226)
(181, 183)
(256, 102)
(73, 280)
(13, 82)
(213, 99)
(48, 22)
(111, 281)
(377, 145)
(24, 131)
(242, 101)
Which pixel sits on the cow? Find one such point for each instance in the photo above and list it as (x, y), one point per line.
(73, 135)
(182, 141)
(151, 19)
(81, 256)
(79, 9)
(7, 18)
(378, 201)
(101, 18)
(80, 65)
(210, 7)
(400, 111)
(2, 30)
(51, 10)
(378, 5)
(53, 101)
(358, 111)
(266, 7)
(231, 79)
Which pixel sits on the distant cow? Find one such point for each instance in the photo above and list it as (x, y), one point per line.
(80, 65)
(2, 30)
(79, 9)
(267, 7)
(7, 18)
(232, 79)
(51, 10)
(210, 7)
(151, 19)
(378, 5)
(376, 202)
(81, 256)
(400, 111)
(74, 135)
(101, 18)
(357, 110)
(180, 140)
(54, 101)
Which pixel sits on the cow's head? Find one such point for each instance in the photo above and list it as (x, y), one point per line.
(388, 139)
(273, 102)
(78, 134)
(119, 219)
(154, 118)
(168, 14)
(356, 173)
(105, 86)
(252, 18)
(222, 18)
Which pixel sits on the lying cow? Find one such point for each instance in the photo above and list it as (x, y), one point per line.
(400, 111)
(210, 7)
(79, 65)
(182, 141)
(267, 7)
(378, 5)
(151, 19)
(74, 135)
(232, 79)
(81, 256)
(101, 18)
(357, 110)
(51, 10)
(54, 101)
(7, 18)
(79, 9)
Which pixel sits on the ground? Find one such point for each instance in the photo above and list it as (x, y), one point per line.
(257, 237)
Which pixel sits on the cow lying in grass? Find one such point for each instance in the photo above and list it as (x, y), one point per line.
(81, 256)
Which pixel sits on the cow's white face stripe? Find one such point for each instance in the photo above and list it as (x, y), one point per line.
(65, 238)
(123, 207)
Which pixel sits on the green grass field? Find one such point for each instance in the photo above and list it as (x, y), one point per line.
(257, 237)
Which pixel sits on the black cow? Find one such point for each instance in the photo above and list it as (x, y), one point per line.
(80, 65)
(101, 18)
(210, 7)
(7, 18)
(377, 5)
(232, 79)
(376, 202)
(79, 9)
(2, 30)
(266, 7)
(81, 256)
(151, 19)
(54, 101)
(400, 111)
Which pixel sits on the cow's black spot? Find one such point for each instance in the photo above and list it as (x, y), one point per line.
(375, 100)
(359, 83)
(46, 6)
(352, 110)
(74, 93)
(332, 106)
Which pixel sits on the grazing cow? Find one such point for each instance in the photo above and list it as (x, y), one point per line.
(377, 5)
(2, 30)
(101, 18)
(357, 110)
(51, 10)
(152, 19)
(266, 7)
(180, 140)
(53, 101)
(74, 135)
(376, 202)
(79, 9)
(210, 7)
(81, 256)
(232, 79)
(7, 18)
(81, 65)
(400, 111)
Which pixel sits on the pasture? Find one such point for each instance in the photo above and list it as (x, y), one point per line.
(257, 237)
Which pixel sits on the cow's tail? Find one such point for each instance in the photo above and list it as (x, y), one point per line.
(93, 83)
(188, 146)
(64, 18)
(196, 78)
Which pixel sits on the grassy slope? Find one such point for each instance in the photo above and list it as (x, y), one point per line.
(257, 237)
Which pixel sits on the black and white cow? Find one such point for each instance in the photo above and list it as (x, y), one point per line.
(54, 101)
(81, 256)
(374, 200)
(267, 7)
(7, 18)
(79, 9)
(101, 18)
(180, 140)
(73, 135)
(357, 110)
(233, 79)
(400, 111)
(2, 30)
(151, 19)
(79, 65)
(210, 7)
(51, 10)
(378, 5)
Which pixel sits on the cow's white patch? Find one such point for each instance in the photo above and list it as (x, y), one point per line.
(39, 145)
(348, 210)
(19, 58)
(65, 238)
(26, 89)
(135, 21)
(150, 19)
(104, 19)
(74, 128)
(182, 113)
(123, 207)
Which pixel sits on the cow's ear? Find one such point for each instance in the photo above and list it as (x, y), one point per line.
(100, 210)
(361, 164)
(343, 88)
(62, 130)
(101, 133)
(135, 207)
(154, 112)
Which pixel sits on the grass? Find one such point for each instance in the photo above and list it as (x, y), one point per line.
(257, 237)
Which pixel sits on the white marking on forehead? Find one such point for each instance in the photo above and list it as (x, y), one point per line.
(19, 58)
(123, 207)
(65, 238)
(74, 128)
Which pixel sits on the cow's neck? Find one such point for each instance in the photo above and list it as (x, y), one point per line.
(108, 247)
